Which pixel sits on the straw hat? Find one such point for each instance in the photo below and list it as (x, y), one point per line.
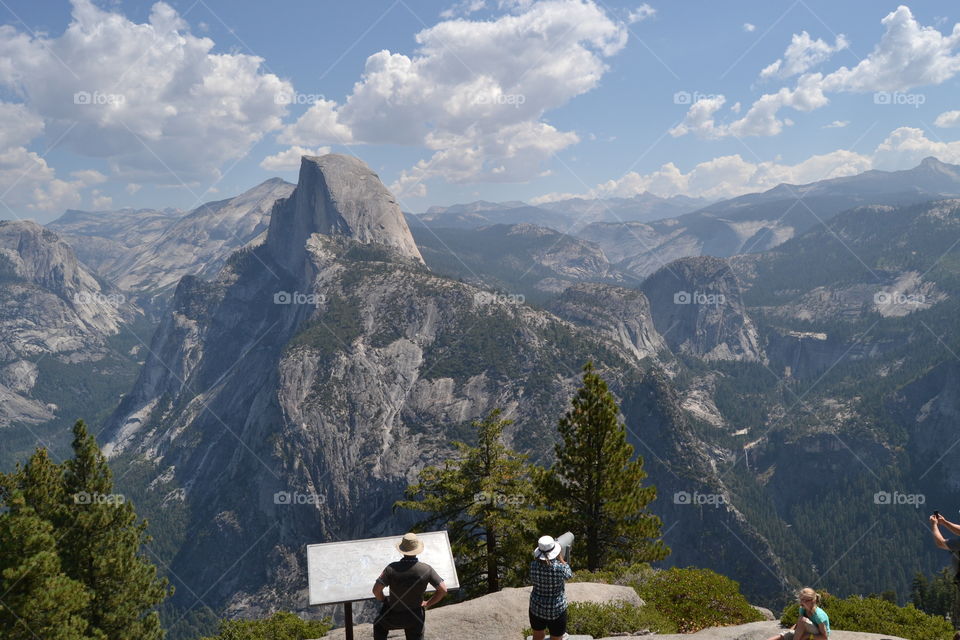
(410, 545)
(547, 548)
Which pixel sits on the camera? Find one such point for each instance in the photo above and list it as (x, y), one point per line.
(936, 514)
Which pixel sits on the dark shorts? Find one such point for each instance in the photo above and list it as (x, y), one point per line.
(557, 626)
(412, 622)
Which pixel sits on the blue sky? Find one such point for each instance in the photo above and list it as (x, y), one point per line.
(107, 104)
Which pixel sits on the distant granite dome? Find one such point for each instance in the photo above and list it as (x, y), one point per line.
(338, 195)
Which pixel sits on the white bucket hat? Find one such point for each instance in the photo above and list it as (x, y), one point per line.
(410, 545)
(547, 548)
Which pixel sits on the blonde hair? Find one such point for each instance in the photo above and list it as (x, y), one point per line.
(807, 592)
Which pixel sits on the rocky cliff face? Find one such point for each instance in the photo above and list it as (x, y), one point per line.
(53, 303)
(621, 314)
(928, 409)
(339, 196)
(55, 316)
(697, 308)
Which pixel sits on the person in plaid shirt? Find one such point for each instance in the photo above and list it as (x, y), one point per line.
(548, 601)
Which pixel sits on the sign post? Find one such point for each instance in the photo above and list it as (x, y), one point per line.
(344, 572)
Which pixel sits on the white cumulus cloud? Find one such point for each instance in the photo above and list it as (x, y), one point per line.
(474, 93)
(642, 12)
(150, 98)
(905, 147)
(803, 54)
(28, 185)
(289, 159)
(730, 176)
(908, 55)
(464, 8)
(948, 119)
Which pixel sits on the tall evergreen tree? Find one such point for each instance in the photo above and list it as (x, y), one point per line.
(486, 498)
(36, 599)
(919, 592)
(102, 546)
(99, 539)
(596, 486)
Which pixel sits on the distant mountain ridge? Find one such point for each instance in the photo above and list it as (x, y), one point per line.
(760, 221)
(148, 251)
(199, 242)
(105, 239)
(566, 215)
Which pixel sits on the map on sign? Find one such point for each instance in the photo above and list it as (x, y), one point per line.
(346, 571)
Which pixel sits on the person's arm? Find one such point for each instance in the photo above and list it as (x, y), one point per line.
(938, 538)
(821, 632)
(567, 571)
(437, 596)
(952, 526)
(379, 585)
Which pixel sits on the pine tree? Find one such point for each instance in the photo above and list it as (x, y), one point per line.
(486, 498)
(282, 625)
(596, 488)
(98, 539)
(36, 599)
(102, 546)
(919, 591)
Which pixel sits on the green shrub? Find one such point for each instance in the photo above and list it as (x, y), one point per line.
(626, 575)
(695, 599)
(602, 620)
(282, 626)
(875, 615)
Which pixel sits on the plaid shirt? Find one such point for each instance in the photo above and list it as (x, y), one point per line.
(548, 600)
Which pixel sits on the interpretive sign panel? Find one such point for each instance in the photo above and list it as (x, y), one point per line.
(346, 571)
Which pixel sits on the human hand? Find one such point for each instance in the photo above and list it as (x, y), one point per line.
(425, 604)
(935, 519)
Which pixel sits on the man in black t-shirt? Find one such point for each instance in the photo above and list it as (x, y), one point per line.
(408, 579)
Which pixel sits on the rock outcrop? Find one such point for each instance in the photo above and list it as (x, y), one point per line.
(499, 615)
(752, 631)
(622, 314)
(338, 195)
(697, 308)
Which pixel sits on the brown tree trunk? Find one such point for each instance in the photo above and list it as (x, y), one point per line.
(493, 579)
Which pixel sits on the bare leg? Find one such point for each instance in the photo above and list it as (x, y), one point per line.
(538, 635)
